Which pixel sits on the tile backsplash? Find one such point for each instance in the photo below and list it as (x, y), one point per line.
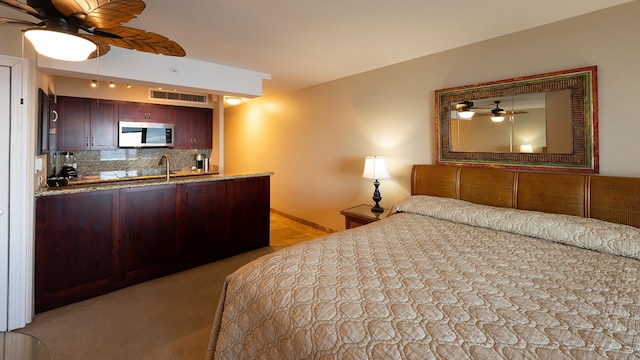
(96, 161)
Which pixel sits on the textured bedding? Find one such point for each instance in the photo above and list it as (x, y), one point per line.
(441, 278)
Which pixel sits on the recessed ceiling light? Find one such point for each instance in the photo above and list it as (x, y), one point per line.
(232, 100)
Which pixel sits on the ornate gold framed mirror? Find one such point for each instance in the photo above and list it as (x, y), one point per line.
(544, 122)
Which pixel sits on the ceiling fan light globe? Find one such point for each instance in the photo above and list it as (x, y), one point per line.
(466, 114)
(497, 118)
(59, 45)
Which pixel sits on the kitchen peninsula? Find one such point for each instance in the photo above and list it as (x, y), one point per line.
(99, 237)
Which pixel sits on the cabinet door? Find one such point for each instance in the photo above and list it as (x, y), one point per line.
(203, 125)
(74, 123)
(183, 122)
(148, 232)
(193, 128)
(160, 113)
(202, 223)
(76, 235)
(248, 206)
(143, 112)
(104, 125)
(132, 111)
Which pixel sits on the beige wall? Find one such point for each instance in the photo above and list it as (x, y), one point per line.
(315, 139)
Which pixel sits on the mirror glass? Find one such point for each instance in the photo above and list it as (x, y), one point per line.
(540, 122)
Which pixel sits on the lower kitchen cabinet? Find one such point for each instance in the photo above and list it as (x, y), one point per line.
(221, 219)
(91, 243)
(148, 232)
(246, 212)
(75, 247)
(203, 217)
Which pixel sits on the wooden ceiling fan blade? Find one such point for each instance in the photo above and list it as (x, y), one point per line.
(100, 13)
(136, 39)
(21, 6)
(102, 49)
(9, 21)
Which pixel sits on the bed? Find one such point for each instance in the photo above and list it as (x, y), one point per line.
(477, 263)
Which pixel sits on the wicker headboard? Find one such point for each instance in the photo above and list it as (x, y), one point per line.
(614, 199)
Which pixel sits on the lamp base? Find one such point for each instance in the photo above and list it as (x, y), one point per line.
(376, 197)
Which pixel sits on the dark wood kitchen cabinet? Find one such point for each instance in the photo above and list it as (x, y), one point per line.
(202, 219)
(246, 205)
(148, 232)
(75, 248)
(94, 242)
(87, 124)
(143, 112)
(90, 124)
(219, 219)
(194, 128)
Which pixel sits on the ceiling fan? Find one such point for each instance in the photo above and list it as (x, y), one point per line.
(96, 24)
(466, 110)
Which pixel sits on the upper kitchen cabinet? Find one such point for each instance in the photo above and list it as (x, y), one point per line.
(87, 124)
(194, 128)
(143, 112)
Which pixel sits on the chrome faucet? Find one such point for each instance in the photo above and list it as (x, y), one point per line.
(166, 161)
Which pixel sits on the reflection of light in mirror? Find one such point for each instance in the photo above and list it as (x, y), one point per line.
(466, 114)
(526, 148)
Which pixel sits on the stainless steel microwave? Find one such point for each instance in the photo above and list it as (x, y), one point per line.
(145, 134)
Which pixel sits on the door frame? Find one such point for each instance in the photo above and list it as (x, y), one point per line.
(21, 195)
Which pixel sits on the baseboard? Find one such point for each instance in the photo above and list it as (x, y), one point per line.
(303, 221)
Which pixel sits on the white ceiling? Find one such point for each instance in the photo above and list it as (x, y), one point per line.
(303, 42)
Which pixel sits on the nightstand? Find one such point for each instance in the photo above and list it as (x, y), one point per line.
(361, 215)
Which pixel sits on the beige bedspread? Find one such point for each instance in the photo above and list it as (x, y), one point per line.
(414, 286)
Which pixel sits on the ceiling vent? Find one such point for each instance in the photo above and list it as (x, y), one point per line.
(175, 97)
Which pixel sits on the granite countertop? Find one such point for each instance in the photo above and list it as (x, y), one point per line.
(128, 175)
(106, 182)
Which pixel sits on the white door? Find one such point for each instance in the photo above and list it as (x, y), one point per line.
(5, 101)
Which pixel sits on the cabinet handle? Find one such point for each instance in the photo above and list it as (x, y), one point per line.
(93, 141)
(86, 141)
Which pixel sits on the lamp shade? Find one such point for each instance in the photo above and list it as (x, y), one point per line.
(60, 45)
(375, 167)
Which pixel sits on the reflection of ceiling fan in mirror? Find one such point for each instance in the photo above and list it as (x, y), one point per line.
(464, 109)
(467, 110)
(92, 26)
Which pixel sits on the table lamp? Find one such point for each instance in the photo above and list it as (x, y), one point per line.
(375, 167)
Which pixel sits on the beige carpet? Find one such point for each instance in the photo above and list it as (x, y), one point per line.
(166, 318)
